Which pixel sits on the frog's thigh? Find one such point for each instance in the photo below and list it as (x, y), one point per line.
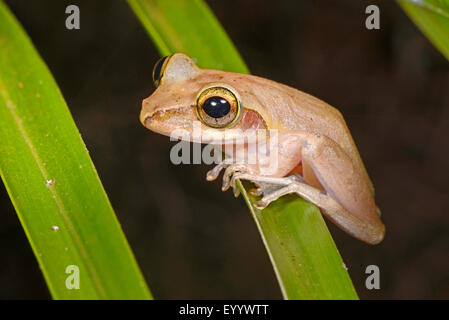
(342, 182)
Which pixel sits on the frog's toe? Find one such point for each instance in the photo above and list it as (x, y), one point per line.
(256, 192)
(272, 193)
(215, 171)
(229, 173)
(261, 204)
(236, 190)
(213, 174)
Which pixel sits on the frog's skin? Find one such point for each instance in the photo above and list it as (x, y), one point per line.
(317, 157)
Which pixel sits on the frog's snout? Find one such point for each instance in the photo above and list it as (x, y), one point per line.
(144, 117)
(145, 112)
(164, 120)
(149, 109)
(151, 120)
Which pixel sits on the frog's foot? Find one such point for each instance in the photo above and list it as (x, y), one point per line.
(271, 188)
(274, 188)
(273, 195)
(213, 174)
(231, 169)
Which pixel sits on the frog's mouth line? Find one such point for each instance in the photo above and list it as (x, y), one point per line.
(182, 122)
(166, 121)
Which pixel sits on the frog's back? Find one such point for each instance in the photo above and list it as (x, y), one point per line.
(284, 107)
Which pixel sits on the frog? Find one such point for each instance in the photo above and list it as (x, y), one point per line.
(317, 158)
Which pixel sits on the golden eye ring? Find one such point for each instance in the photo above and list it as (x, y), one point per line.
(218, 106)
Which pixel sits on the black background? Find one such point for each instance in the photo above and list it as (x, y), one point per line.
(191, 240)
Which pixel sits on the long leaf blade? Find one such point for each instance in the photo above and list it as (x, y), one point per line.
(191, 28)
(53, 183)
(303, 254)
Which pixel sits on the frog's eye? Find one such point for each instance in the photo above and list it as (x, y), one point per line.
(158, 70)
(218, 107)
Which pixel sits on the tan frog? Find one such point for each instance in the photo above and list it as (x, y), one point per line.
(316, 155)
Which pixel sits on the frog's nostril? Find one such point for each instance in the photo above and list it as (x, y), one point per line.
(146, 105)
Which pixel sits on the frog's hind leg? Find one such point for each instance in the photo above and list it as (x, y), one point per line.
(274, 188)
(347, 197)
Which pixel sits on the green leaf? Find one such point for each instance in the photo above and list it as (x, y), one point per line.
(432, 17)
(53, 183)
(304, 256)
(191, 28)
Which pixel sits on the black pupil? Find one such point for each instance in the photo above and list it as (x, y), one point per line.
(216, 107)
(157, 70)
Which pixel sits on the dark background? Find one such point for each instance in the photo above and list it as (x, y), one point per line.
(190, 239)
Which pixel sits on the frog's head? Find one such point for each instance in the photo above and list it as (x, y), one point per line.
(188, 98)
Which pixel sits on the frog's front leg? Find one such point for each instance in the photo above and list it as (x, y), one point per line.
(230, 169)
(233, 171)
